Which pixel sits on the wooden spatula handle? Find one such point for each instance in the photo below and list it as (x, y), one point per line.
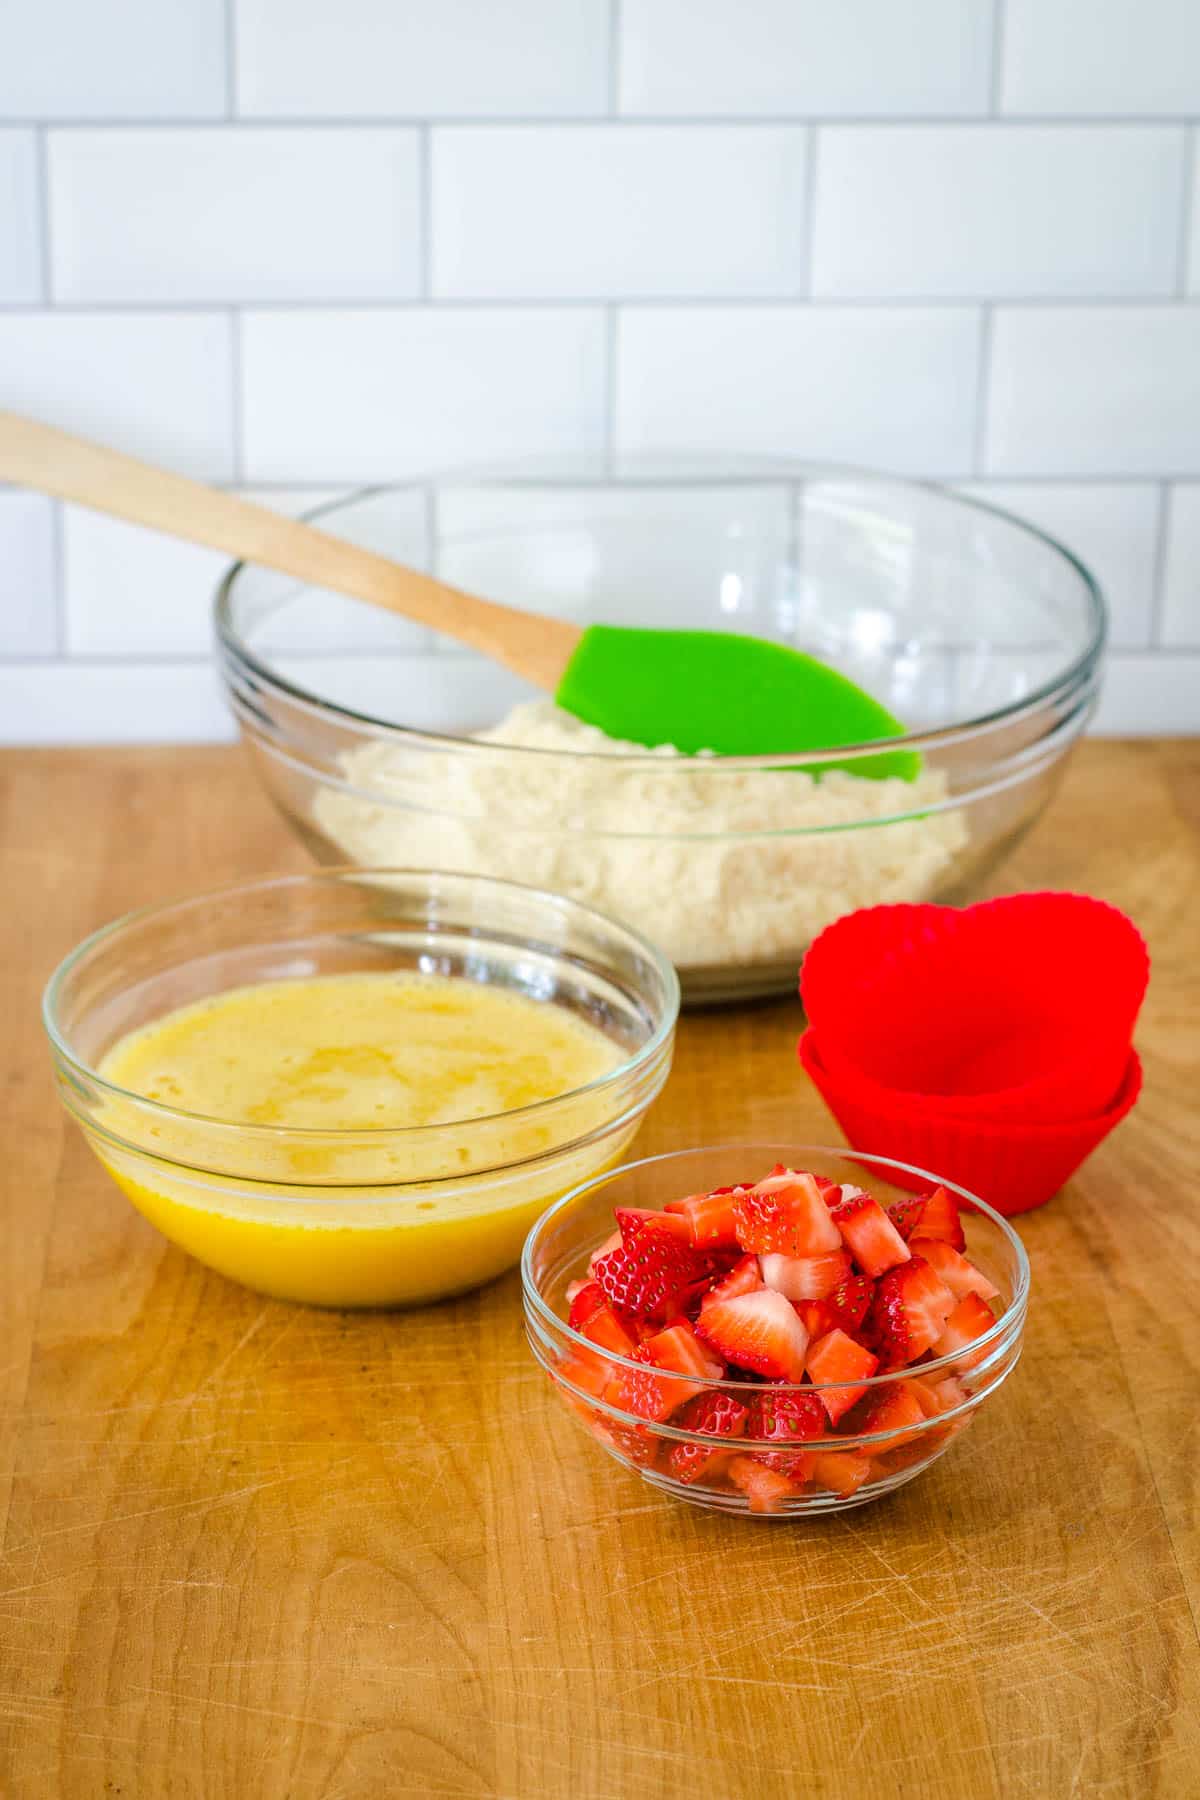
(40, 456)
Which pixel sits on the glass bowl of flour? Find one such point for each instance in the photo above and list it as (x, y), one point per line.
(383, 743)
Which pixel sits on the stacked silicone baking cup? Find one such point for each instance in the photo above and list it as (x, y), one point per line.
(992, 1043)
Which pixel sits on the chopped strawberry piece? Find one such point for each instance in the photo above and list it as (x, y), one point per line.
(907, 1315)
(837, 1358)
(905, 1215)
(843, 1310)
(785, 1213)
(964, 1323)
(713, 1415)
(680, 1350)
(765, 1489)
(648, 1276)
(830, 1191)
(897, 1409)
(842, 1470)
(709, 1218)
(652, 1393)
(805, 1277)
(759, 1331)
(940, 1219)
(573, 1288)
(959, 1275)
(637, 1223)
(609, 1244)
(869, 1234)
(636, 1443)
(783, 1418)
(744, 1277)
(593, 1317)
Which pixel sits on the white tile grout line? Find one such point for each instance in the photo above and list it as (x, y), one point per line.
(693, 302)
(237, 400)
(982, 384)
(612, 350)
(42, 155)
(614, 58)
(812, 152)
(1158, 579)
(996, 92)
(1187, 204)
(523, 122)
(425, 212)
(231, 93)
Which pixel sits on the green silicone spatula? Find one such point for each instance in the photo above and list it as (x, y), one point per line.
(698, 690)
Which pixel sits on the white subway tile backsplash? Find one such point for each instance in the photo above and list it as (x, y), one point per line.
(798, 57)
(20, 219)
(1112, 527)
(112, 703)
(1153, 694)
(1024, 210)
(422, 58)
(1192, 250)
(112, 59)
(28, 582)
(584, 211)
(155, 384)
(1181, 610)
(132, 592)
(1121, 57)
(378, 395)
(234, 214)
(894, 388)
(1102, 390)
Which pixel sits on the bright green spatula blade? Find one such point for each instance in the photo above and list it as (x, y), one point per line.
(717, 690)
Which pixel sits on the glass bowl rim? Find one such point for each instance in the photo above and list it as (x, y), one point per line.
(374, 1135)
(1077, 672)
(1013, 1316)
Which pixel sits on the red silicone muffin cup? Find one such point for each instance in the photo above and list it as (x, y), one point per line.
(1013, 1167)
(1079, 1089)
(1031, 991)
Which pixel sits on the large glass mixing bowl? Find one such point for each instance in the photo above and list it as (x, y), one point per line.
(981, 633)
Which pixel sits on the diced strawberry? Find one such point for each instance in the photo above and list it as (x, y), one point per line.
(844, 1471)
(648, 1276)
(573, 1288)
(869, 1234)
(940, 1219)
(765, 1489)
(949, 1392)
(713, 1415)
(831, 1193)
(592, 1316)
(759, 1331)
(590, 1373)
(743, 1278)
(680, 1350)
(709, 1218)
(636, 1443)
(843, 1310)
(805, 1277)
(897, 1409)
(905, 1215)
(786, 1419)
(637, 1223)
(652, 1393)
(785, 1213)
(837, 1358)
(967, 1321)
(959, 1275)
(909, 1310)
(609, 1244)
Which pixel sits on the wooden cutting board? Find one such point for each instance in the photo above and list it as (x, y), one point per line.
(253, 1552)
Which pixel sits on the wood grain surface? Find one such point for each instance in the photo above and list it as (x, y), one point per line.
(252, 1551)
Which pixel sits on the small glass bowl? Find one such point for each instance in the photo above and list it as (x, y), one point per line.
(557, 1252)
(380, 1217)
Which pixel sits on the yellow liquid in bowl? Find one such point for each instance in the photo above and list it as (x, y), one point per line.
(358, 1052)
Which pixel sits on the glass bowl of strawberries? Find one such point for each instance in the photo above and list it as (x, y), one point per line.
(775, 1330)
